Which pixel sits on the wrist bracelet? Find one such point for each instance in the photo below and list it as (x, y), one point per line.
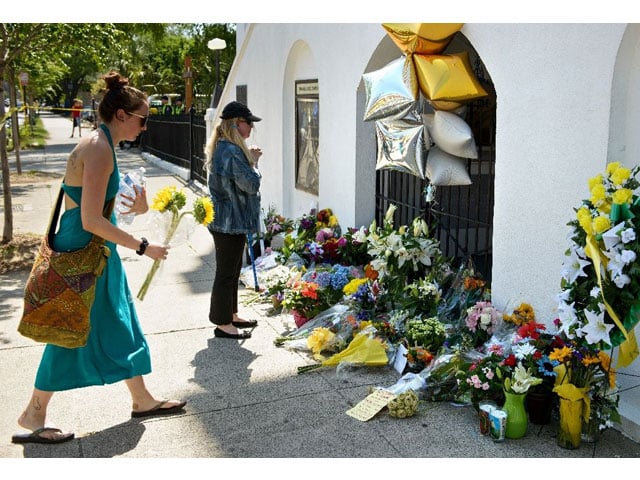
(143, 246)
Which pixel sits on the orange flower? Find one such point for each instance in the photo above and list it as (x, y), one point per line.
(605, 363)
(561, 354)
(351, 320)
(309, 290)
(471, 283)
(419, 354)
(590, 360)
(370, 272)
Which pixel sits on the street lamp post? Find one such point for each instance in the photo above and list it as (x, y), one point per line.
(216, 44)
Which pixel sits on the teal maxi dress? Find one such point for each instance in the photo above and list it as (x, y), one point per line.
(116, 348)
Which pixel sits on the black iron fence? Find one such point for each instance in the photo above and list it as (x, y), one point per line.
(178, 139)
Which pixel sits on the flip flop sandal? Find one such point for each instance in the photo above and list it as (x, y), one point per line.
(158, 410)
(36, 436)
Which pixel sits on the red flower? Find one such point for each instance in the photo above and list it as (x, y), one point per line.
(531, 329)
(510, 361)
(330, 248)
(309, 290)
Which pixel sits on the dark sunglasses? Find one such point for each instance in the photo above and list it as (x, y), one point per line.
(143, 118)
(246, 121)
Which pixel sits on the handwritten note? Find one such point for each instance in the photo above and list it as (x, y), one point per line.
(371, 405)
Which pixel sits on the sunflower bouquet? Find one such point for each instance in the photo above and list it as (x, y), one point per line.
(170, 201)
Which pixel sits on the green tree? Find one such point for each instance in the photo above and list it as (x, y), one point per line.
(30, 45)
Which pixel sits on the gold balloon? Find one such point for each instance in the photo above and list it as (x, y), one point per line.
(448, 78)
(446, 106)
(428, 38)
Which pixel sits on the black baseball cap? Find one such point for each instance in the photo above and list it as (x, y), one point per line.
(238, 110)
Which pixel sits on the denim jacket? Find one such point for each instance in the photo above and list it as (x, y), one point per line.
(234, 186)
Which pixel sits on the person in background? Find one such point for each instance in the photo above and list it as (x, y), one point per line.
(76, 117)
(94, 113)
(178, 107)
(234, 183)
(116, 348)
(165, 108)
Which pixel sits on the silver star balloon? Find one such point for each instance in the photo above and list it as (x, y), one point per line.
(402, 146)
(392, 91)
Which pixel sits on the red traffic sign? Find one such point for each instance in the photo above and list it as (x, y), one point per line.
(24, 78)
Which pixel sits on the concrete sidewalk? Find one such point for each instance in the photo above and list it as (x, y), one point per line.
(245, 398)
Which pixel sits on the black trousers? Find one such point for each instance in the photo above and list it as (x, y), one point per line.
(224, 294)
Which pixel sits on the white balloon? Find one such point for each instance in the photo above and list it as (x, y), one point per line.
(453, 135)
(444, 169)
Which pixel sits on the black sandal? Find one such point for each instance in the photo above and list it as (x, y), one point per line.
(245, 324)
(238, 336)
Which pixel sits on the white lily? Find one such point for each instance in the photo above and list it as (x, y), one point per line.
(567, 316)
(596, 329)
(522, 379)
(612, 236)
(615, 263)
(573, 267)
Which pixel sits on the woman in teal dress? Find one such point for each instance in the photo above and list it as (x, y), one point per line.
(116, 349)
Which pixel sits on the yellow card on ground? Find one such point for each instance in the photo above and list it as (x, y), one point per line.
(372, 404)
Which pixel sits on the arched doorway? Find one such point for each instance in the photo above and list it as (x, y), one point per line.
(461, 216)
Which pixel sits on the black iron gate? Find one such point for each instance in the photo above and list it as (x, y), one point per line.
(461, 217)
(198, 141)
(178, 139)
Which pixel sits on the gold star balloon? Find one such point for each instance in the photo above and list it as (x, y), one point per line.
(402, 145)
(392, 91)
(447, 78)
(452, 107)
(427, 38)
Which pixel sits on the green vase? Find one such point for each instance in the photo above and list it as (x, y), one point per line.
(516, 415)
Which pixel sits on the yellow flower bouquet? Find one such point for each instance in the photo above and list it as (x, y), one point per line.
(171, 201)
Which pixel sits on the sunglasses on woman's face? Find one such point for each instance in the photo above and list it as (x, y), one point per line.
(143, 118)
(247, 122)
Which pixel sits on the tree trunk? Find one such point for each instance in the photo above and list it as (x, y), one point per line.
(7, 233)
(15, 125)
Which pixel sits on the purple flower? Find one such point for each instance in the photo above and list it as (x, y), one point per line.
(307, 223)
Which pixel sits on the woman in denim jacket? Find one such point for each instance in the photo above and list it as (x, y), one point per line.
(234, 183)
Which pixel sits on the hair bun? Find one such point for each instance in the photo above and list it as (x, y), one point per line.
(115, 81)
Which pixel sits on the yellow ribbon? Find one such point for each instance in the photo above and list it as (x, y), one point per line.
(628, 348)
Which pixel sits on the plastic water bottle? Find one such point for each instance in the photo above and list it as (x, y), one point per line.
(129, 183)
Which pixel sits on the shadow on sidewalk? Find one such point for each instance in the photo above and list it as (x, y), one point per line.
(111, 442)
